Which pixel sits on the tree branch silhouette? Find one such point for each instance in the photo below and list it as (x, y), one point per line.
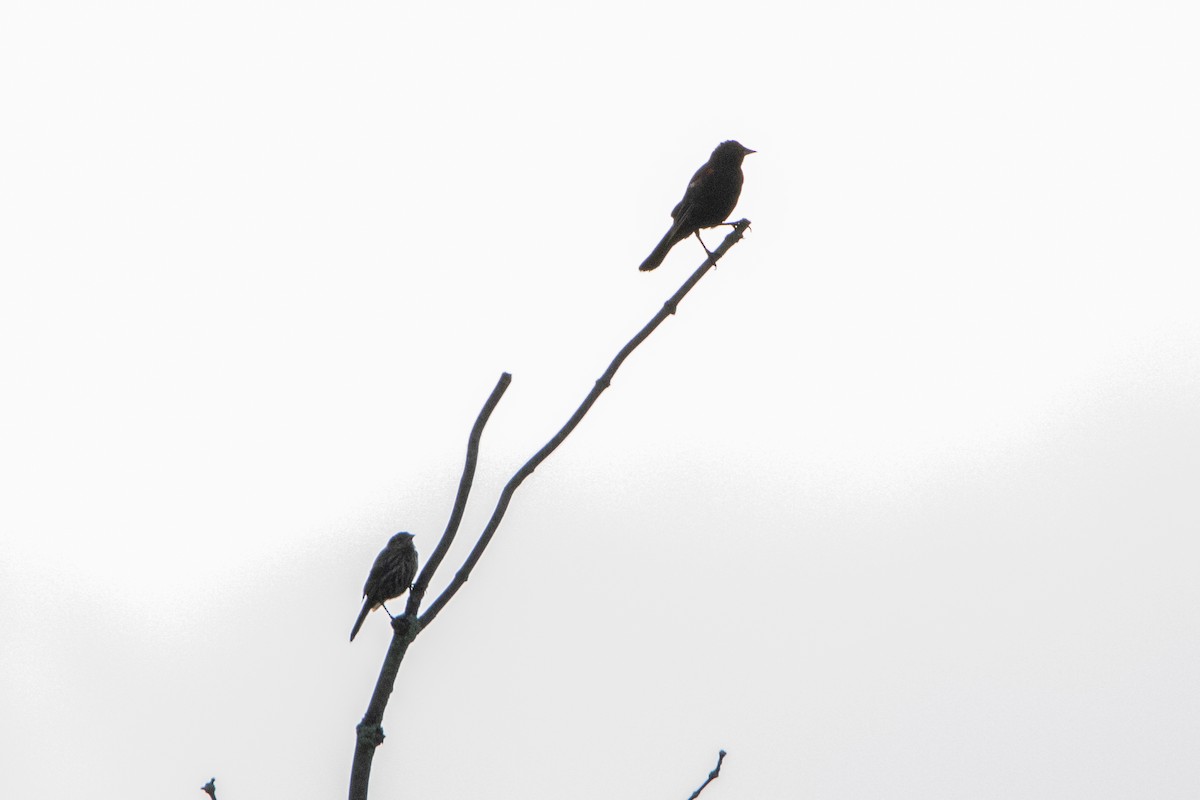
(712, 776)
(408, 626)
(460, 500)
(405, 627)
(669, 307)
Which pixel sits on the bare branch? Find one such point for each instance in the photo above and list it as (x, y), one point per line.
(712, 776)
(370, 730)
(460, 501)
(407, 626)
(527, 469)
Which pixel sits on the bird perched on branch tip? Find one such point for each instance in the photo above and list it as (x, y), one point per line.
(710, 198)
(391, 576)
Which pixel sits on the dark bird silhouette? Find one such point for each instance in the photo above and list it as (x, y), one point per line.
(708, 201)
(390, 576)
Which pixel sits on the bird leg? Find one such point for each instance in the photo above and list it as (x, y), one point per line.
(702, 244)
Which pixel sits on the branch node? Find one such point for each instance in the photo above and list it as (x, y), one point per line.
(370, 734)
(406, 626)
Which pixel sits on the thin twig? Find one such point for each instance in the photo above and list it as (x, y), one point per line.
(712, 776)
(460, 501)
(527, 469)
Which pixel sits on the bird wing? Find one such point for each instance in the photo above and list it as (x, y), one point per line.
(702, 175)
(695, 187)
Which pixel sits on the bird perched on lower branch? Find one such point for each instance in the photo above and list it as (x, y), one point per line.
(710, 198)
(391, 576)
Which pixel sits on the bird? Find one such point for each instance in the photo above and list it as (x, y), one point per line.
(390, 576)
(709, 199)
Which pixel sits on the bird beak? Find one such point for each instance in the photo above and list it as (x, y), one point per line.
(747, 150)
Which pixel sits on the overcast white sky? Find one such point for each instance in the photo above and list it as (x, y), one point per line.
(901, 504)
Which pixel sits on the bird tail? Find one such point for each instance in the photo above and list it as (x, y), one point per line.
(663, 248)
(367, 608)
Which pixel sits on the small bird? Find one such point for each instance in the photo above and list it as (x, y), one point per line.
(390, 576)
(709, 199)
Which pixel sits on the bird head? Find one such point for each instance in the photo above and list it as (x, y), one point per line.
(399, 539)
(731, 150)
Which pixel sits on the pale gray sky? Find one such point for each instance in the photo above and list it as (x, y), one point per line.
(902, 504)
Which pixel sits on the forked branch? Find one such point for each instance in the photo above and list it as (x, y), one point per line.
(408, 626)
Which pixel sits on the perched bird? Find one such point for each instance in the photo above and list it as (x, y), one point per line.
(390, 576)
(709, 199)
